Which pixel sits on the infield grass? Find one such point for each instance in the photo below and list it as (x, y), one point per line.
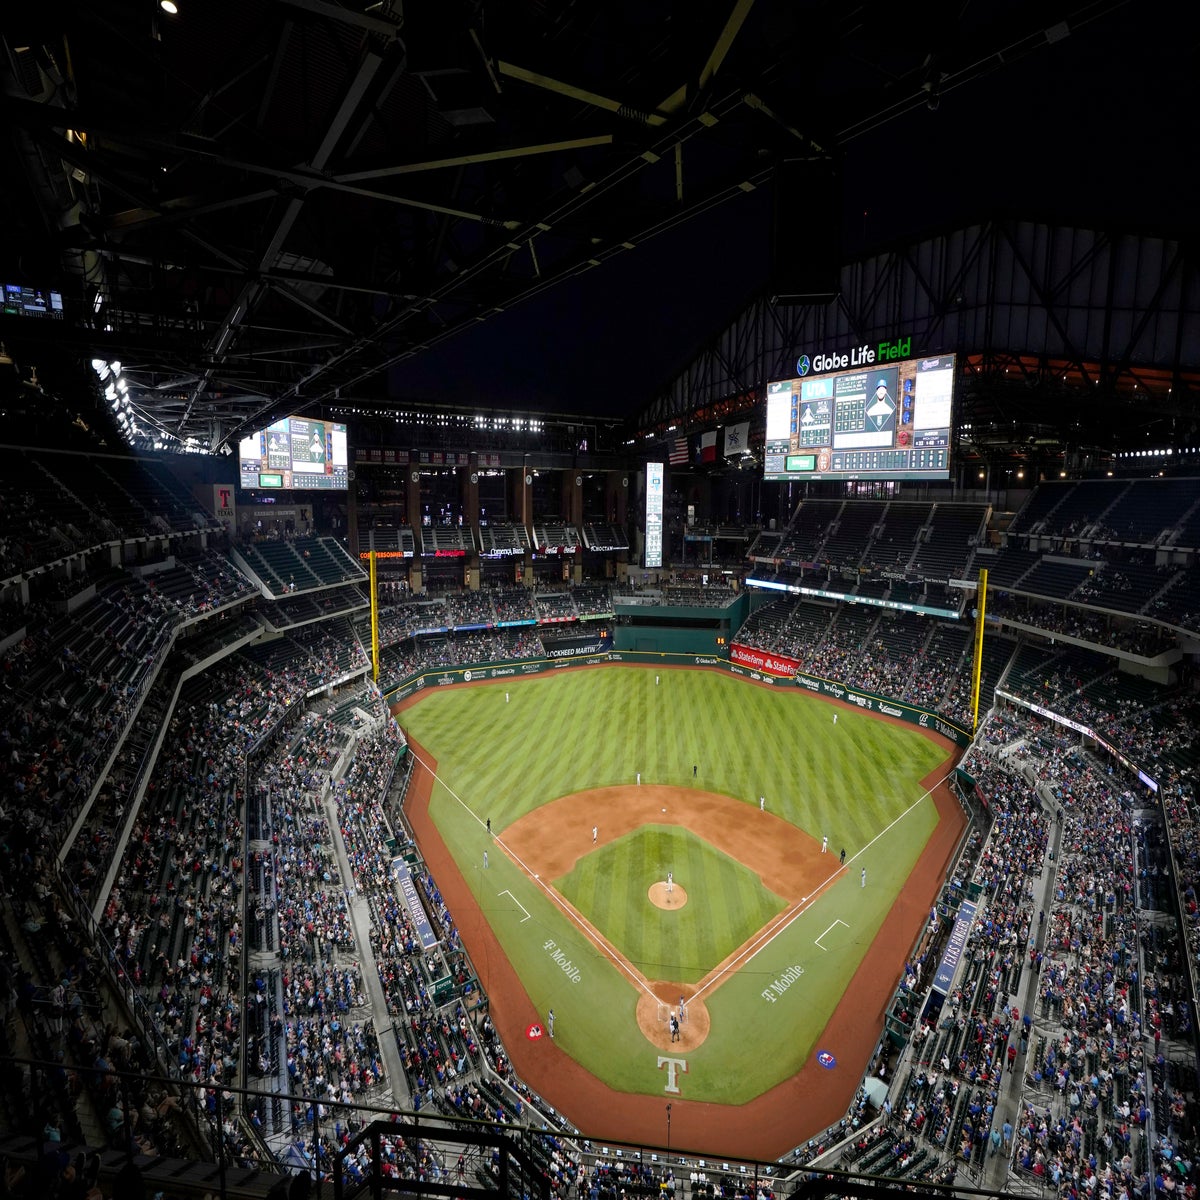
(670, 944)
(858, 782)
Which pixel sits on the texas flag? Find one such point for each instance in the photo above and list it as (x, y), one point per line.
(708, 447)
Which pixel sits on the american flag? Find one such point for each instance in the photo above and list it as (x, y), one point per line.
(679, 452)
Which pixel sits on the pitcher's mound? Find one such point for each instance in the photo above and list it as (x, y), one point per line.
(661, 898)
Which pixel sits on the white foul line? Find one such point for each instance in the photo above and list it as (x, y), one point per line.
(763, 940)
(525, 918)
(817, 941)
(576, 919)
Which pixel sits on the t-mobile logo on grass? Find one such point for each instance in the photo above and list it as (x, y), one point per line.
(781, 985)
(567, 967)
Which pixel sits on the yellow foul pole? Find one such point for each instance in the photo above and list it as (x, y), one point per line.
(374, 620)
(977, 664)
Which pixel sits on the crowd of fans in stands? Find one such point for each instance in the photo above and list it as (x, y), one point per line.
(1091, 1088)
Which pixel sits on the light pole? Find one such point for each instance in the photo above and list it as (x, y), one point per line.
(668, 1137)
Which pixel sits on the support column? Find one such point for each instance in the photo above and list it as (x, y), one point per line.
(412, 497)
(468, 490)
(521, 506)
(572, 498)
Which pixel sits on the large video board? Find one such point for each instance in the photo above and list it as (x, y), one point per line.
(295, 453)
(861, 419)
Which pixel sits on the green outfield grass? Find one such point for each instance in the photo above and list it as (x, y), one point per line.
(586, 728)
(726, 902)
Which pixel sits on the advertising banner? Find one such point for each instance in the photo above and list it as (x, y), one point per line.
(763, 660)
(955, 945)
(412, 901)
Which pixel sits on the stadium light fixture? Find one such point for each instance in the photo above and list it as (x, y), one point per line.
(115, 367)
(169, 7)
(100, 367)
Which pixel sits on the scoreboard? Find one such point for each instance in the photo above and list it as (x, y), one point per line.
(886, 421)
(295, 453)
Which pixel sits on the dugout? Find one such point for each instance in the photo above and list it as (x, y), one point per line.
(651, 626)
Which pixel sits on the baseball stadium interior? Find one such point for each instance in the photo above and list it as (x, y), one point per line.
(352, 352)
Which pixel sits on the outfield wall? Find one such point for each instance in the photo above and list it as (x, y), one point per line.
(515, 669)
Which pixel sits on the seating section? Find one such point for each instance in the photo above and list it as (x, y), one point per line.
(766, 545)
(301, 607)
(555, 606)
(1042, 500)
(1058, 579)
(848, 538)
(300, 564)
(699, 596)
(549, 536)
(956, 530)
(499, 539)
(386, 539)
(808, 528)
(1009, 567)
(896, 542)
(443, 540)
(603, 538)
(1143, 512)
(1127, 583)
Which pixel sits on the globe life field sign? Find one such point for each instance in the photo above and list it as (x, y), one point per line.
(870, 412)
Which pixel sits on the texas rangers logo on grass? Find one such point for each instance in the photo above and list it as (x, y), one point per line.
(826, 1059)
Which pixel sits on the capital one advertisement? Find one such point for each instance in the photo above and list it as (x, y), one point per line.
(763, 660)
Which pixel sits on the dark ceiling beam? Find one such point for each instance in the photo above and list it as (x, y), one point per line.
(300, 300)
(272, 81)
(181, 208)
(725, 40)
(378, 26)
(482, 156)
(583, 95)
(978, 61)
(252, 290)
(303, 346)
(193, 118)
(304, 178)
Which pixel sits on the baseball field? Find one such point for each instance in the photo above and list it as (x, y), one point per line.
(669, 843)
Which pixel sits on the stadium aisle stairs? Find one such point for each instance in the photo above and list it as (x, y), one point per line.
(360, 921)
(995, 1170)
(45, 968)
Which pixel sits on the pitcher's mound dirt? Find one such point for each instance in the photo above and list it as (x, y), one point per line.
(671, 899)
